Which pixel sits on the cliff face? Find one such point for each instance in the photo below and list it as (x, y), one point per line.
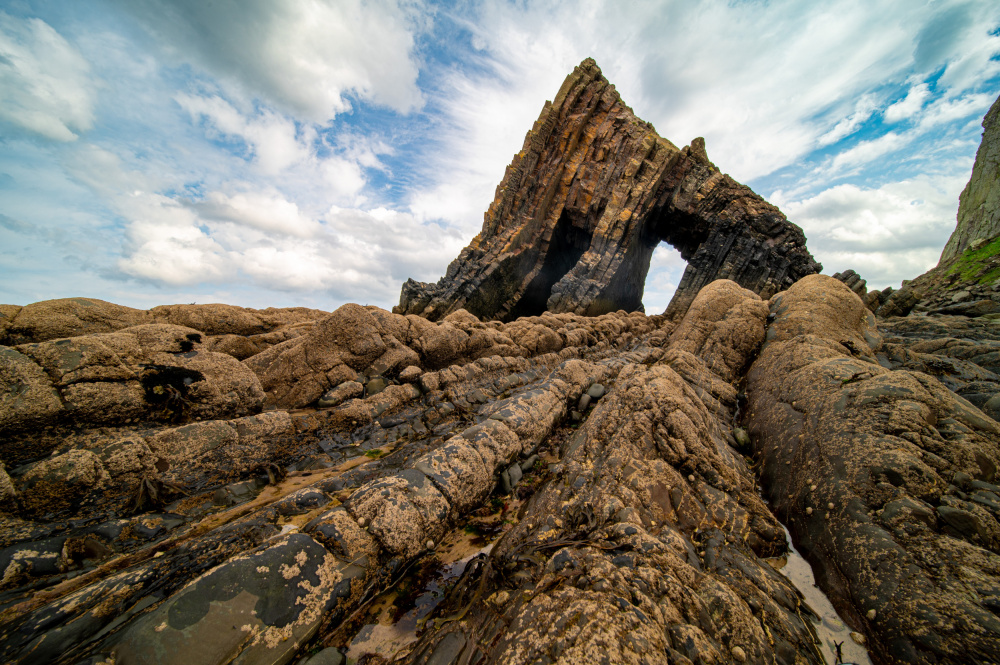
(979, 204)
(584, 203)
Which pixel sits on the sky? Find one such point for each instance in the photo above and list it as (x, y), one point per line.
(317, 152)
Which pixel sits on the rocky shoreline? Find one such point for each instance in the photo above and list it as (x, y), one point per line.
(214, 484)
(643, 532)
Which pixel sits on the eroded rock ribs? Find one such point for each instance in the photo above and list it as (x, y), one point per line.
(582, 207)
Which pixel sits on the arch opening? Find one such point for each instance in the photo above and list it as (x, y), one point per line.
(666, 267)
(566, 246)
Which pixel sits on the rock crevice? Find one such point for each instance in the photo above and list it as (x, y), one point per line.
(583, 205)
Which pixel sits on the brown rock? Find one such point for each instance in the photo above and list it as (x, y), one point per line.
(583, 205)
(27, 397)
(70, 317)
(871, 441)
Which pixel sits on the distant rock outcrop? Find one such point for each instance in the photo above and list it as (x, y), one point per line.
(584, 204)
(979, 204)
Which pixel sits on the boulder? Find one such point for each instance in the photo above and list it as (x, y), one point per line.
(69, 317)
(847, 443)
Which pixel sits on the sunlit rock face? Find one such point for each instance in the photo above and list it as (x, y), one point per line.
(212, 484)
(979, 204)
(584, 203)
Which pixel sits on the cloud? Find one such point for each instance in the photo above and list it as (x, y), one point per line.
(265, 211)
(171, 249)
(273, 139)
(909, 105)
(944, 111)
(863, 110)
(307, 57)
(46, 82)
(666, 267)
(868, 151)
(15, 225)
(887, 233)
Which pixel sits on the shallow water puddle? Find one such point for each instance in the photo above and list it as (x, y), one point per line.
(392, 633)
(830, 628)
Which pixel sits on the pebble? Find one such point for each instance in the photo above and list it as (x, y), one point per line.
(430, 544)
(812, 488)
(691, 478)
(809, 511)
(858, 637)
(739, 654)
(361, 521)
(871, 615)
(830, 506)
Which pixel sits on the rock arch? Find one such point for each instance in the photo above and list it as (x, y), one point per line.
(584, 203)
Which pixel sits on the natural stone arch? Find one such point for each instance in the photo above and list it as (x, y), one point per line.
(582, 207)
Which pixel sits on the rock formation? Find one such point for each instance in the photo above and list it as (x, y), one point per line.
(211, 484)
(979, 203)
(635, 528)
(584, 203)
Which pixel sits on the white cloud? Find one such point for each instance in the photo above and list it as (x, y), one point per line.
(174, 251)
(867, 151)
(863, 110)
(273, 139)
(666, 268)
(944, 111)
(45, 81)
(909, 105)
(307, 57)
(887, 234)
(265, 211)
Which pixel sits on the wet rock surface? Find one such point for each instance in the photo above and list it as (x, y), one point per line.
(864, 462)
(584, 203)
(605, 455)
(213, 484)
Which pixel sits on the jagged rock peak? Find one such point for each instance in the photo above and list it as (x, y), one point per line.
(585, 202)
(979, 203)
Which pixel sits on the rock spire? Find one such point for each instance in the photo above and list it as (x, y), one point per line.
(585, 202)
(979, 203)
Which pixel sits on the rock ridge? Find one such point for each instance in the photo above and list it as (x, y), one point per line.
(979, 202)
(583, 205)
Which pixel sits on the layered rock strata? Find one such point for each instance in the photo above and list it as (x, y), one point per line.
(584, 203)
(284, 562)
(979, 203)
(647, 543)
(642, 537)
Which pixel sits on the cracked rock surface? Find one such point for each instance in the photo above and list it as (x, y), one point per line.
(581, 207)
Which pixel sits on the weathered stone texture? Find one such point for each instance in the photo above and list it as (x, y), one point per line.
(864, 464)
(584, 203)
(979, 203)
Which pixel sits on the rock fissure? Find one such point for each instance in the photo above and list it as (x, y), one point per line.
(619, 209)
(231, 485)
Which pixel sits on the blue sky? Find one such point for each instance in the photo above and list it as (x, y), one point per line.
(314, 153)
